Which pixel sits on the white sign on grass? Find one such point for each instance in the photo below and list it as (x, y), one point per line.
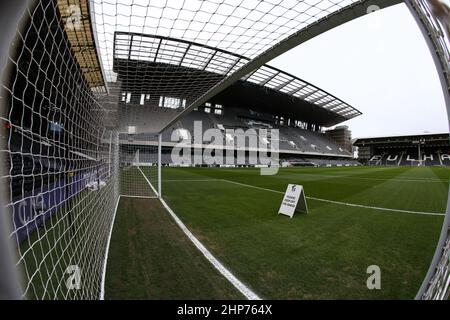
(294, 200)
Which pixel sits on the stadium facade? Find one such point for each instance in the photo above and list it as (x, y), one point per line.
(408, 150)
(268, 98)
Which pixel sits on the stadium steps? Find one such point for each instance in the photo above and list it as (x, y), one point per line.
(402, 154)
(439, 157)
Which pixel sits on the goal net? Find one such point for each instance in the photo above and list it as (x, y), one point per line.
(60, 160)
(139, 168)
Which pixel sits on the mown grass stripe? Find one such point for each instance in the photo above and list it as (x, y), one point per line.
(245, 290)
(319, 199)
(342, 203)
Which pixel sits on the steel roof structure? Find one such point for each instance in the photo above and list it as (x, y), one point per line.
(402, 138)
(160, 51)
(256, 30)
(81, 36)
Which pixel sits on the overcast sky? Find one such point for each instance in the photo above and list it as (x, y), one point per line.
(379, 64)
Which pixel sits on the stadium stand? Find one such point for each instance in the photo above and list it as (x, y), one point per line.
(268, 98)
(297, 146)
(415, 150)
(291, 138)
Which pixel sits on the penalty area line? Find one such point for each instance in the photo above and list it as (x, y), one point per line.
(138, 197)
(192, 180)
(108, 245)
(148, 181)
(246, 291)
(341, 203)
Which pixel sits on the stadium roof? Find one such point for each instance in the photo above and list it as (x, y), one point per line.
(257, 30)
(397, 138)
(153, 52)
(81, 36)
(246, 28)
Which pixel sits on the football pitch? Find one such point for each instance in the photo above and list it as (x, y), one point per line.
(358, 217)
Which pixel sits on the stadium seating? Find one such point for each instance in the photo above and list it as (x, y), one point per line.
(445, 157)
(323, 162)
(404, 150)
(290, 138)
(430, 157)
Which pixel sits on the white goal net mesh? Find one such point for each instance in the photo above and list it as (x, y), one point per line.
(60, 163)
(139, 167)
(167, 53)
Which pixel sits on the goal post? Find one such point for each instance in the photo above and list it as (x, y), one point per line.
(160, 166)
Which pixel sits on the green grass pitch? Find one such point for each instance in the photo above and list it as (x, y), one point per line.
(150, 258)
(321, 255)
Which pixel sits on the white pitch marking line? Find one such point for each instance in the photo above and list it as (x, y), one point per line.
(105, 261)
(192, 180)
(137, 197)
(148, 181)
(335, 176)
(246, 291)
(342, 203)
(377, 208)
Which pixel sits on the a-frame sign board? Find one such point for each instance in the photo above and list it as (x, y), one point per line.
(294, 200)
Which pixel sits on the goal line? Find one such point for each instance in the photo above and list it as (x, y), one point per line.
(244, 289)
